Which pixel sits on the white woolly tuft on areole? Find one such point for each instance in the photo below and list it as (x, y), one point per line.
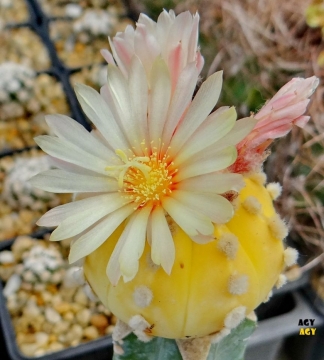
(252, 205)
(235, 317)
(290, 256)
(121, 330)
(268, 297)
(228, 244)
(277, 227)
(238, 284)
(274, 190)
(137, 322)
(282, 280)
(142, 296)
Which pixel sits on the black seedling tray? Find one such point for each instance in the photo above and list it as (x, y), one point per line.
(39, 23)
(99, 349)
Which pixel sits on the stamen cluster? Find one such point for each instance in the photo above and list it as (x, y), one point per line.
(151, 185)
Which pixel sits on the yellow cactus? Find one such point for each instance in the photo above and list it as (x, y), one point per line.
(212, 286)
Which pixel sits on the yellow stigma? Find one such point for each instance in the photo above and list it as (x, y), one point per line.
(144, 179)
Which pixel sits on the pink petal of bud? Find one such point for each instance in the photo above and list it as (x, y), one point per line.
(275, 119)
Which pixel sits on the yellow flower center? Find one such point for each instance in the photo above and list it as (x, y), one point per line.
(144, 179)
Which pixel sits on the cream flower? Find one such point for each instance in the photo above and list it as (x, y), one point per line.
(153, 159)
(174, 38)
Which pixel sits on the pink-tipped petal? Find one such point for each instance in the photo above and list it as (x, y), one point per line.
(301, 121)
(275, 120)
(145, 46)
(175, 64)
(199, 109)
(159, 99)
(180, 100)
(106, 54)
(193, 39)
(138, 90)
(124, 50)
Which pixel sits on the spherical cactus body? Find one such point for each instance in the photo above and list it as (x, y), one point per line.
(212, 286)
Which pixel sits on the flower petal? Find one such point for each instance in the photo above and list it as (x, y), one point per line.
(113, 268)
(163, 26)
(58, 214)
(193, 39)
(148, 22)
(120, 63)
(70, 130)
(106, 54)
(124, 50)
(68, 167)
(180, 100)
(286, 114)
(213, 183)
(159, 99)
(241, 129)
(68, 152)
(175, 62)
(202, 163)
(210, 131)
(214, 206)
(86, 213)
(61, 181)
(301, 121)
(180, 32)
(163, 249)
(96, 236)
(146, 46)
(134, 236)
(120, 91)
(192, 222)
(99, 113)
(274, 133)
(202, 104)
(138, 90)
(106, 94)
(134, 244)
